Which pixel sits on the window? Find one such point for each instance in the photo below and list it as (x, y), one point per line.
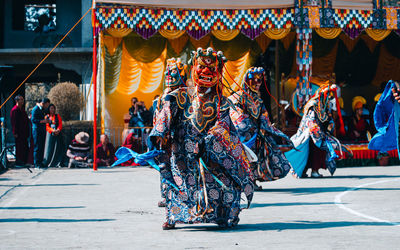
(34, 15)
(40, 18)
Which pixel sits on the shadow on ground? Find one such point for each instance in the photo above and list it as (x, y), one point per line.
(280, 226)
(8, 220)
(29, 208)
(314, 190)
(52, 185)
(284, 204)
(364, 176)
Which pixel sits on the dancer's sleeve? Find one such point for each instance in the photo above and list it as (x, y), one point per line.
(162, 123)
(270, 129)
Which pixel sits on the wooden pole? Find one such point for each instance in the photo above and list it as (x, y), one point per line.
(94, 78)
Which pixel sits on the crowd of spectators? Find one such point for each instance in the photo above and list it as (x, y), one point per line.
(39, 141)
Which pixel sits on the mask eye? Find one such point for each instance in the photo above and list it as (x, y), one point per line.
(207, 60)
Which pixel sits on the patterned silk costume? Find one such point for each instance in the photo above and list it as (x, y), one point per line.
(174, 77)
(208, 163)
(251, 118)
(317, 124)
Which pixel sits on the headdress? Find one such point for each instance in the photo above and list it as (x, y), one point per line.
(175, 72)
(321, 101)
(358, 102)
(253, 73)
(207, 67)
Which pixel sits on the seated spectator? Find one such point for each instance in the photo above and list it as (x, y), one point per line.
(105, 152)
(134, 143)
(79, 151)
(134, 112)
(359, 126)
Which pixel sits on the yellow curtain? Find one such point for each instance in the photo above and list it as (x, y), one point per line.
(225, 35)
(328, 33)
(348, 42)
(263, 41)
(371, 43)
(135, 73)
(388, 67)
(179, 43)
(111, 43)
(276, 34)
(203, 42)
(171, 34)
(145, 50)
(287, 40)
(236, 70)
(377, 35)
(119, 32)
(325, 65)
(137, 79)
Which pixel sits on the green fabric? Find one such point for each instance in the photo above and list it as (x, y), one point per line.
(357, 67)
(234, 49)
(321, 46)
(143, 50)
(112, 69)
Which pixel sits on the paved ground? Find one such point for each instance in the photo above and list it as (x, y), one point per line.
(116, 208)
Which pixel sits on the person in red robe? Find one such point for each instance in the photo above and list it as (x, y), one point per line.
(359, 126)
(21, 130)
(105, 152)
(134, 143)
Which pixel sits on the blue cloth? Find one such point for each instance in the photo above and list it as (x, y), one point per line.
(298, 157)
(386, 118)
(124, 154)
(250, 143)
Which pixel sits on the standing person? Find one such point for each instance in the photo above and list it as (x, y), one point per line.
(251, 120)
(208, 167)
(387, 119)
(105, 152)
(53, 151)
(39, 130)
(21, 130)
(314, 138)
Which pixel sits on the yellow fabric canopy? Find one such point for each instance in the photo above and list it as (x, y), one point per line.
(328, 33)
(171, 34)
(276, 34)
(134, 67)
(119, 32)
(377, 35)
(225, 35)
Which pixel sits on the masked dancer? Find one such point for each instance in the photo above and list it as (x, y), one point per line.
(314, 140)
(209, 168)
(174, 77)
(251, 121)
